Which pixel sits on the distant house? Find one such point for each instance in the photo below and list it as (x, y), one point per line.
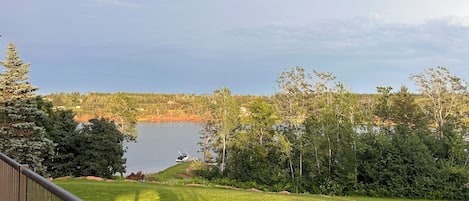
(61, 107)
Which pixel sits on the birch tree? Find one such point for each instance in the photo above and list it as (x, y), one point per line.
(223, 121)
(292, 102)
(442, 91)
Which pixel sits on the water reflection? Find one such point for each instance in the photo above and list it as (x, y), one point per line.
(158, 144)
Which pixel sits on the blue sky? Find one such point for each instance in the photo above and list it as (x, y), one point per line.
(182, 46)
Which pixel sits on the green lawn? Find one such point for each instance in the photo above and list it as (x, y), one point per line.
(170, 190)
(177, 171)
(126, 191)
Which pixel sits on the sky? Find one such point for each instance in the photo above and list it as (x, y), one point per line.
(196, 47)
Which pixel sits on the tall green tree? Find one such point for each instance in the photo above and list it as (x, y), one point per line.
(406, 111)
(61, 130)
(395, 160)
(331, 141)
(383, 108)
(293, 102)
(61, 127)
(21, 138)
(443, 92)
(254, 149)
(100, 147)
(122, 110)
(223, 120)
(446, 96)
(228, 112)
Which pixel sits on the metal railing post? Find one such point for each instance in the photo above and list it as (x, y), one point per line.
(22, 184)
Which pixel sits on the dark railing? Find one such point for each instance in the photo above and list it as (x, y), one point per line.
(18, 183)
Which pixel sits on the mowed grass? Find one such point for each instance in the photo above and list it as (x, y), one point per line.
(147, 191)
(177, 171)
(134, 191)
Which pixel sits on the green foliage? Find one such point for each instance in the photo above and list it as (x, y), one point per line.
(93, 148)
(20, 137)
(61, 127)
(100, 148)
(219, 130)
(254, 151)
(47, 138)
(321, 138)
(123, 111)
(444, 93)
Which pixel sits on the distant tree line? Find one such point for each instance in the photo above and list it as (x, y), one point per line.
(316, 136)
(49, 139)
(148, 106)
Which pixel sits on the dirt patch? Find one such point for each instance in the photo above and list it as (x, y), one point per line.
(63, 178)
(193, 185)
(229, 187)
(254, 190)
(93, 178)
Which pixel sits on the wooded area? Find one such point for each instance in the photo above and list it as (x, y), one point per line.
(313, 135)
(49, 140)
(151, 107)
(316, 136)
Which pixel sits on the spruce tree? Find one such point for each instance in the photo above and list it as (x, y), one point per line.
(100, 149)
(20, 138)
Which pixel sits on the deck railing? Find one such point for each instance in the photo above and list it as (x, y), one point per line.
(19, 183)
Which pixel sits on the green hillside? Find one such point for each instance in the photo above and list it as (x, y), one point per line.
(123, 191)
(173, 190)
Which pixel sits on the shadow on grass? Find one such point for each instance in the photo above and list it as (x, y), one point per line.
(146, 194)
(137, 195)
(168, 194)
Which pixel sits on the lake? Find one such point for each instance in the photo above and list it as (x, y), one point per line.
(158, 145)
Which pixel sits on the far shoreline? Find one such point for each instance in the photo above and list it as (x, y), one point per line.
(154, 118)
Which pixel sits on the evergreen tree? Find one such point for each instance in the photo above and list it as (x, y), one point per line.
(20, 137)
(61, 127)
(61, 131)
(100, 147)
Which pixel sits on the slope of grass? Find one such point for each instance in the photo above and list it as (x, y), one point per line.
(177, 171)
(178, 174)
(120, 191)
(126, 191)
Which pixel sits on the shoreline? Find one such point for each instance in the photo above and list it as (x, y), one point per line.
(154, 118)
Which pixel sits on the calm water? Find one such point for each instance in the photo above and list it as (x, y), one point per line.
(158, 145)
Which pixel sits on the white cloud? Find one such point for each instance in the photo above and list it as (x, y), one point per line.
(457, 20)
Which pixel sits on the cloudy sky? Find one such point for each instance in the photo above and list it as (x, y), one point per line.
(185, 46)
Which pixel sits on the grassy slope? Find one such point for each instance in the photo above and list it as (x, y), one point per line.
(133, 191)
(120, 191)
(124, 191)
(177, 171)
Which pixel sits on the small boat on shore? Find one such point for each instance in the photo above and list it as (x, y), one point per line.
(183, 157)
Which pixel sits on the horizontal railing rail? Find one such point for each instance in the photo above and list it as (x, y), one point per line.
(18, 182)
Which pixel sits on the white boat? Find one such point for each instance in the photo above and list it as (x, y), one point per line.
(183, 157)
